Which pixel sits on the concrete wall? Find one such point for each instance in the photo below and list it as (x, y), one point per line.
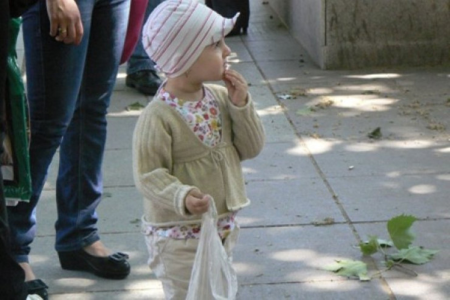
(348, 34)
(305, 19)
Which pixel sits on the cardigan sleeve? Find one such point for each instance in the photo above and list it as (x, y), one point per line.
(152, 160)
(247, 128)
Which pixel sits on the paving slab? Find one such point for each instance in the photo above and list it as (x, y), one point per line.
(276, 125)
(250, 72)
(287, 254)
(279, 161)
(326, 290)
(304, 74)
(331, 117)
(239, 53)
(336, 158)
(154, 294)
(428, 82)
(121, 99)
(271, 50)
(376, 198)
(117, 168)
(288, 203)
(120, 132)
(126, 201)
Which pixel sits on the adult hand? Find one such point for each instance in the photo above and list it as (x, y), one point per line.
(237, 87)
(196, 202)
(65, 21)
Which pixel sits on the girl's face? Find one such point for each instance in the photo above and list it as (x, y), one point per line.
(211, 64)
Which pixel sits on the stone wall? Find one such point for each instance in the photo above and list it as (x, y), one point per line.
(349, 34)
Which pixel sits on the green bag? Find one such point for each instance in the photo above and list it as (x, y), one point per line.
(15, 162)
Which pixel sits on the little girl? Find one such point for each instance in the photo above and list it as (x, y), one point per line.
(189, 141)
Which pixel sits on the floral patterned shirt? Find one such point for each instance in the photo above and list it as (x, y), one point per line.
(225, 226)
(203, 116)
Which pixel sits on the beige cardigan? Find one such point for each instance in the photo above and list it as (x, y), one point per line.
(169, 160)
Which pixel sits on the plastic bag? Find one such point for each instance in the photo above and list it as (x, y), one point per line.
(15, 162)
(213, 276)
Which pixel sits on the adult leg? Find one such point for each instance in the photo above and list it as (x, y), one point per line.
(54, 72)
(79, 185)
(141, 73)
(12, 276)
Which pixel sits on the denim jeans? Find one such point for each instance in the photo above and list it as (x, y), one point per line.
(69, 89)
(139, 60)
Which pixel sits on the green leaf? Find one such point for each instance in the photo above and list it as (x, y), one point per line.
(390, 263)
(415, 255)
(399, 230)
(135, 106)
(369, 247)
(350, 268)
(373, 244)
(375, 134)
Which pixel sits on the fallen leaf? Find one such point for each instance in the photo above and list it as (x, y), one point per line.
(350, 268)
(415, 255)
(399, 229)
(324, 222)
(304, 111)
(324, 103)
(135, 106)
(299, 92)
(375, 134)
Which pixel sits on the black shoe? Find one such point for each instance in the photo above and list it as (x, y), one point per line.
(37, 287)
(147, 82)
(114, 266)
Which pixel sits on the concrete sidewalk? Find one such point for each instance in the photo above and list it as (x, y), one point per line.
(319, 186)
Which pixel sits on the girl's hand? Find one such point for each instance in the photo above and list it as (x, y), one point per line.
(65, 21)
(196, 202)
(237, 87)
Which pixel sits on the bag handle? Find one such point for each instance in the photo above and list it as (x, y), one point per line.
(212, 210)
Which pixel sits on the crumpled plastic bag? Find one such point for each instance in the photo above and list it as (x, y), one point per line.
(15, 164)
(213, 276)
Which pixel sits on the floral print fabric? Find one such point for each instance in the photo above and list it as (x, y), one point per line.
(203, 117)
(225, 225)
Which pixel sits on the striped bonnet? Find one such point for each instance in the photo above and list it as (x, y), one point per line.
(177, 31)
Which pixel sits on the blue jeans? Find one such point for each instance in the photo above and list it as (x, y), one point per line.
(69, 89)
(139, 60)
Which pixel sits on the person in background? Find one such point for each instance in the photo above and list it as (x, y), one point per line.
(72, 53)
(189, 141)
(141, 72)
(12, 276)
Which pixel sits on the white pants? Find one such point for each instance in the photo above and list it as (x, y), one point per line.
(171, 260)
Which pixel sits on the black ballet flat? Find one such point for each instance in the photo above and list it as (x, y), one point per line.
(114, 266)
(37, 287)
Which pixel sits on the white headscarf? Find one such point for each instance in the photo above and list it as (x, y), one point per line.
(177, 31)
